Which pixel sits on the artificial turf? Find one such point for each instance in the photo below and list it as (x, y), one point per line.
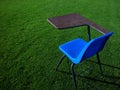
(29, 44)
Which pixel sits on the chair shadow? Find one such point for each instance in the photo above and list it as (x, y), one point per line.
(104, 64)
(98, 80)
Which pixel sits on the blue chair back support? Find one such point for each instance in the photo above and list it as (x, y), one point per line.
(94, 46)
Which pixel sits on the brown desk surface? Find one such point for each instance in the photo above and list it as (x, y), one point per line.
(74, 20)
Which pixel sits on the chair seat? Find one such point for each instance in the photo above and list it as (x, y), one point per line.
(72, 48)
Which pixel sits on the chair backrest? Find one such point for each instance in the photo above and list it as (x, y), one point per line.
(94, 46)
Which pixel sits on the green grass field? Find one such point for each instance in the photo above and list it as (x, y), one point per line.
(29, 44)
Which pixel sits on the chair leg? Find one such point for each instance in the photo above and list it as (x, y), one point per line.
(100, 66)
(89, 35)
(60, 61)
(74, 76)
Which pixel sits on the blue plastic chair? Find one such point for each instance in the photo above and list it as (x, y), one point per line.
(78, 50)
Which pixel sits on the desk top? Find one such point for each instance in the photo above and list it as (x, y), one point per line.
(74, 20)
